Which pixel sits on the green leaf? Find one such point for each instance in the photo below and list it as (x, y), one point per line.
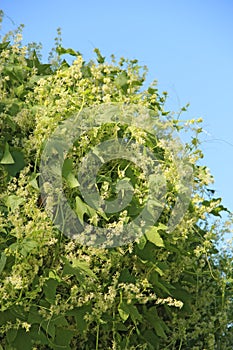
(80, 208)
(49, 289)
(14, 108)
(18, 165)
(123, 311)
(121, 81)
(152, 91)
(24, 247)
(64, 65)
(184, 296)
(34, 316)
(26, 340)
(4, 45)
(43, 69)
(53, 274)
(154, 237)
(33, 181)
(86, 71)
(134, 314)
(78, 268)
(160, 284)
(13, 202)
(142, 242)
(83, 266)
(7, 157)
(2, 262)
(126, 310)
(67, 167)
(216, 211)
(20, 92)
(151, 338)
(72, 181)
(62, 51)
(63, 339)
(119, 326)
(11, 335)
(49, 326)
(79, 314)
(22, 341)
(27, 245)
(38, 335)
(68, 175)
(157, 323)
(100, 58)
(9, 120)
(126, 277)
(147, 253)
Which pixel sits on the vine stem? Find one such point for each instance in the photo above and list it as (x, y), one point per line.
(97, 337)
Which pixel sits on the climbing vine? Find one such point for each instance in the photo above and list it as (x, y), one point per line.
(164, 290)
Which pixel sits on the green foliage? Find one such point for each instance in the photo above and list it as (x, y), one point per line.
(165, 290)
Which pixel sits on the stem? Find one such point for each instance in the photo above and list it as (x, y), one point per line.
(97, 337)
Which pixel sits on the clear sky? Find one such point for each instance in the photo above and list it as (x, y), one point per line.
(187, 46)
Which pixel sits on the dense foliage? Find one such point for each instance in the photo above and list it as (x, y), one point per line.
(163, 291)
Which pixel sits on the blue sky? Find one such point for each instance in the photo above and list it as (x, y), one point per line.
(187, 46)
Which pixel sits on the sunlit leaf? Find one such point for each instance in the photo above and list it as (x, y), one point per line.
(123, 312)
(62, 51)
(7, 157)
(2, 262)
(13, 201)
(68, 174)
(154, 237)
